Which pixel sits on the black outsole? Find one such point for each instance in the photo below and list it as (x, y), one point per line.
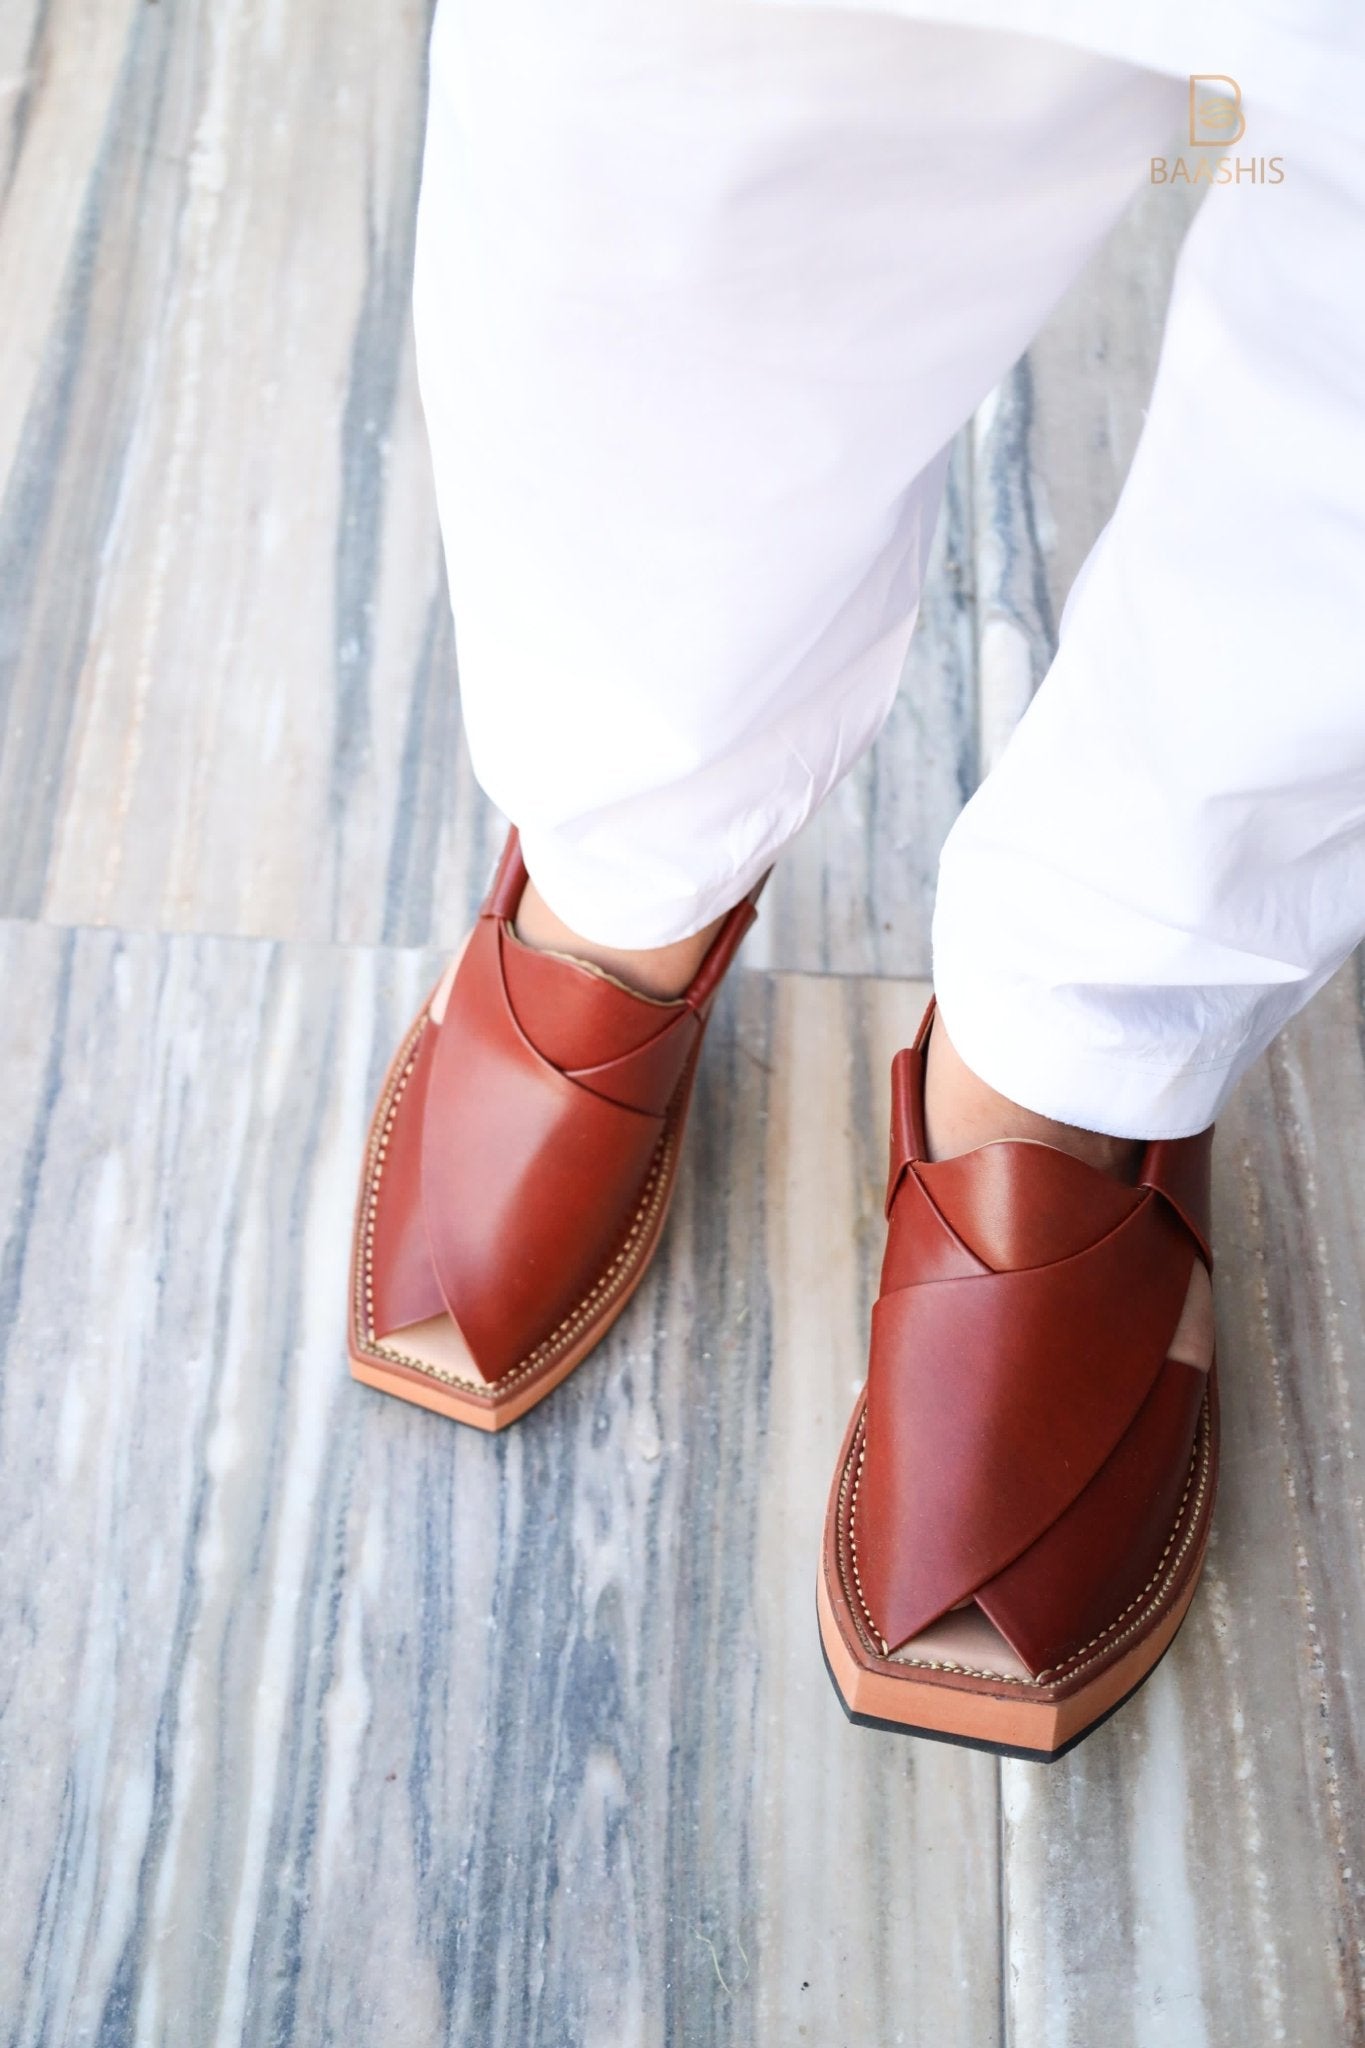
(1026, 1756)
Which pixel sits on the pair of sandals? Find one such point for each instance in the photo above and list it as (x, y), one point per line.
(1020, 1510)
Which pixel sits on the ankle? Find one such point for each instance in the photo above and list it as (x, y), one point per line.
(663, 972)
(963, 1112)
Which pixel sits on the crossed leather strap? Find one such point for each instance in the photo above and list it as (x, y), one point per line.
(1027, 1439)
(527, 1134)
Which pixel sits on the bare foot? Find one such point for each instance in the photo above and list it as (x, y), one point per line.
(962, 1112)
(659, 971)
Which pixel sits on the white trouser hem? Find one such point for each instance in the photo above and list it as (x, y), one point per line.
(654, 868)
(1029, 1057)
(577, 897)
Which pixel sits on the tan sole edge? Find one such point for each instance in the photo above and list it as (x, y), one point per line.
(489, 1412)
(406, 1383)
(997, 1714)
(1042, 1728)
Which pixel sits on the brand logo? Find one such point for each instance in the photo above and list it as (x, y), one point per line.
(1215, 117)
(1217, 120)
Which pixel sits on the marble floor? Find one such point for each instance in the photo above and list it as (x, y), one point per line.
(324, 1721)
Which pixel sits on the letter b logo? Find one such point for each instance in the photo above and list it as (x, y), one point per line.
(1215, 117)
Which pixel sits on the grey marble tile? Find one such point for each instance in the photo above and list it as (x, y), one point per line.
(325, 1720)
(1195, 1872)
(228, 683)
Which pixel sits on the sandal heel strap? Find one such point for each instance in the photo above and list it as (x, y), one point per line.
(508, 885)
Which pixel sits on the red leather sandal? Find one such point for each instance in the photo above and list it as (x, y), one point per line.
(1020, 1511)
(520, 1166)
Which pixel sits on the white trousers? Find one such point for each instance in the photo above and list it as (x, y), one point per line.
(704, 288)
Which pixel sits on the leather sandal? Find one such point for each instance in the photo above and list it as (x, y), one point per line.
(520, 1166)
(1021, 1507)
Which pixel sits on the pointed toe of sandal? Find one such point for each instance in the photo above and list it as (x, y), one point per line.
(519, 1168)
(1020, 1509)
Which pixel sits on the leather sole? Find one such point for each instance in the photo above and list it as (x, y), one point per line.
(1037, 1718)
(1028, 1756)
(492, 1405)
